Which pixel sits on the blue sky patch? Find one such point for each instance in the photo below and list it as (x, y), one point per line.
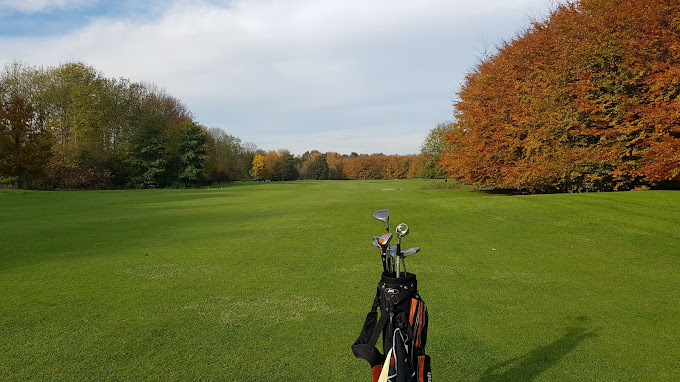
(55, 20)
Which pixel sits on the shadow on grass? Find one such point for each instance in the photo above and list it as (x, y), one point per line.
(535, 362)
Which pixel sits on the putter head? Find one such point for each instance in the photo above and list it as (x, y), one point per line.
(410, 251)
(402, 230)
(383, 216)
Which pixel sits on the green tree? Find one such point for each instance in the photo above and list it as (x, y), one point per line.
(192, 157)
(148, 159)
(225, 160)
(148, 152)
(316, 167)
(433, 146)
(286, 167)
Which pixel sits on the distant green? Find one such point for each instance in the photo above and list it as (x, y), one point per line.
(272, 281)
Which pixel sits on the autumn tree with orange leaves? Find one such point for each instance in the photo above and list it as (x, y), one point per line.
(586, 100)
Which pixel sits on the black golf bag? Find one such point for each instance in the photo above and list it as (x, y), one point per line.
(403, 325)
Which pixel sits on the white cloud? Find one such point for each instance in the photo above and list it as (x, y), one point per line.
(263, 69)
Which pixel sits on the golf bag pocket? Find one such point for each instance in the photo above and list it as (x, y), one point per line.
(423, 370)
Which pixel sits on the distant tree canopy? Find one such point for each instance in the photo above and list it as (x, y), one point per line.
(281, 165)
(70, 127)
(587, 100)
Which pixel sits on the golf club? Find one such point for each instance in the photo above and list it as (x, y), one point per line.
(376, 243)
(406, 253)
(392, 257)
(384, 216)
(402, 230)
(383, 242)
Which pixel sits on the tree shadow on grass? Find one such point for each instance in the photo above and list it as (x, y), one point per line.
(535, 362)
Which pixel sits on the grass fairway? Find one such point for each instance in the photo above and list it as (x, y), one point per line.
(271, 282)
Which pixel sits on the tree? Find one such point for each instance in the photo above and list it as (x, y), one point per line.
(316, 167)
(193, 155)
(225, 156)
(335, 164)
(586, 100)
(286, 167)
(148, 158)
(433, 146)
(258, 167)
(24, 144)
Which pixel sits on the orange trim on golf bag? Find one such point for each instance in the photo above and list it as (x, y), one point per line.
(414, 304)
(424, 371)
(416, 317)
(420, 324)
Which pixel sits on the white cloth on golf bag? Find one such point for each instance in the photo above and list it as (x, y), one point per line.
(385, 367)
(397, 367)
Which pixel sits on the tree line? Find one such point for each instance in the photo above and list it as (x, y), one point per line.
(281, 165)
(588, 100)
(70, 127)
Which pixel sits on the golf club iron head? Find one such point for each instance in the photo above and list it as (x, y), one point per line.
(384, 216)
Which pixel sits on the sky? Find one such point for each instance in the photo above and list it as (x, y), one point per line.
(365, 76)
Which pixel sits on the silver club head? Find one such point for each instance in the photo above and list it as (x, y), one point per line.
(402, 230)
(410, 251)
(383, 216)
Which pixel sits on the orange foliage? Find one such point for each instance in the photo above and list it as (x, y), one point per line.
(382, 167)
(587, 100)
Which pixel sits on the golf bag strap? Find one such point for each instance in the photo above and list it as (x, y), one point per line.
(376, 301)
(367, 350)
(377, 330)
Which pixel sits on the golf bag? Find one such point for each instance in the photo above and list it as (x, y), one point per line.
(403, 324)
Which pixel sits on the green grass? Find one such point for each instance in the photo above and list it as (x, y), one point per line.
(271, 282)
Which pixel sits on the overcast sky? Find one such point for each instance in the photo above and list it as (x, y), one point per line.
(332, 75)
